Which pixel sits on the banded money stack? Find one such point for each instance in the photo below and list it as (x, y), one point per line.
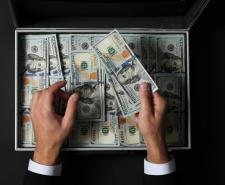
(106, 70)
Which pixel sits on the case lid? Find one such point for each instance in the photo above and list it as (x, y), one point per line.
(156, 14)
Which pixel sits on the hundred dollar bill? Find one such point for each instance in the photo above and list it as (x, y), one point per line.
(97, 38)
(81, 42)
(134, 42)
(126, 105)
(106, 133)
(90, 106)
(81, 134)
(120, 61)
(30, 85)
(129, 133)
(138, 43)
(64, 50)
(173, 129)
(68, 89)
(170, 53)
(85, 67)
(54, 79)
(110, 97)
(59, 102)
(172, 87)
(86, 81)
(26, 130)
(34, 55)
(55, 68)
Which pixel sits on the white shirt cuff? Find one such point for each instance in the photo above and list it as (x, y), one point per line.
(44, 169)
(159, 169)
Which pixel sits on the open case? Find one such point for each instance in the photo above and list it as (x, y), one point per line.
(165, 21)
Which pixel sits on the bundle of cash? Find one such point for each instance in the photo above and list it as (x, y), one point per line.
(106, 70)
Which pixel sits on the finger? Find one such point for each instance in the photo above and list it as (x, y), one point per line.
(63, 95)
(35, 98)
(146, 97)
(160, 103)
(49, 94)
(56, 87)
(136, 118)
(69, 116)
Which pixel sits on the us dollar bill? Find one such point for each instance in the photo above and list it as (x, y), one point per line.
(129, 132)
(170, 54)
(26, 129)
(65, 50)
(34, 55)
(85, 67)
(80, 134)
(106, 133)
(124, 102)
(89, 106)
(29, 86)
(55, 68)
(87, 82)
(81, 42)
(134, 42)
(172, 87)
(96, 38)
(173, 128)
(55, 79)
(121, 62)
(110, 97)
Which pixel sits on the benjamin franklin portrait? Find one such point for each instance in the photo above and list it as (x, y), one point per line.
(128, 74)
(35, 63)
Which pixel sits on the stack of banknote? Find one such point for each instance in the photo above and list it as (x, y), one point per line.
(106, 70)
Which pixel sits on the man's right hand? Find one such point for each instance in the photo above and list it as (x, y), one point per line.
(151, 123)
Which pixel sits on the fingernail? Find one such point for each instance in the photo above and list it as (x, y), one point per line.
(145, 86)
(75, 97)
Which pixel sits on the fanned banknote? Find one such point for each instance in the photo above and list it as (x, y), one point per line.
(110, 97)
(121, 64)
(126, 105)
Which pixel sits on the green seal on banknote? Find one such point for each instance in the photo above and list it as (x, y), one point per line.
(105, 130)
(84, 130)
(111, 50)
(84, 65)
(132, 130)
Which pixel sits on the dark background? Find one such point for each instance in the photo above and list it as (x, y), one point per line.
(205, 163)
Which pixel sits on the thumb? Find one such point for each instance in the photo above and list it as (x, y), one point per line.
(71, 108)
(146, 97)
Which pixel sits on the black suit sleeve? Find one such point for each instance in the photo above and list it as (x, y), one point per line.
(169, 179)
(37, 179)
